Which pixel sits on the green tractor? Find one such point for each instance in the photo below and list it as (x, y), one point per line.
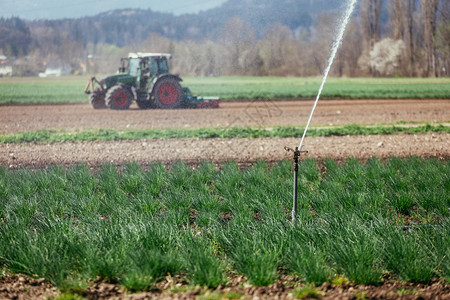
(144, 78)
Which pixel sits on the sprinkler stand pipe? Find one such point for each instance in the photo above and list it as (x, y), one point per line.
(296, 152)
(294, 203)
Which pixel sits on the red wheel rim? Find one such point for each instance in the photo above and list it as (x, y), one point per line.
(168, 94)
(120, 99)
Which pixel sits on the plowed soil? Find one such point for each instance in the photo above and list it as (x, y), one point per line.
(21, 287)
(19, 118)
(72, 117)
(244, 151)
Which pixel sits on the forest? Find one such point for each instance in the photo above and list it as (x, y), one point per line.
(398, 38)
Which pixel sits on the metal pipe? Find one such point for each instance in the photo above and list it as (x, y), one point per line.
(294, 204)
(297, 152)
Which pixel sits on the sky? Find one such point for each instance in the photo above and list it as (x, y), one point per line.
(58, 9)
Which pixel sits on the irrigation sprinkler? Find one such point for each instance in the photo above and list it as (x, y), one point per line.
(336, 44)
(297, 153)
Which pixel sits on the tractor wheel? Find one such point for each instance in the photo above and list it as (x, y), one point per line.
(118, 97)
(143, 102)
(168, 93)
(97, 100)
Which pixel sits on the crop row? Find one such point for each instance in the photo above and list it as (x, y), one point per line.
(133, 226)
(231, 132)
(70, 89)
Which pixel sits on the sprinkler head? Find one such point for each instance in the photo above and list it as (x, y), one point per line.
(296, 152)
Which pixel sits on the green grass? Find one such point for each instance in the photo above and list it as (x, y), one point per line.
(308, 292)
(70, 89)
(349, 88)
(232, 132)
(133, 226)
(43, 90)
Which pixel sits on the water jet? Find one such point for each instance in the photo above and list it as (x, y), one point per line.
(341, 29)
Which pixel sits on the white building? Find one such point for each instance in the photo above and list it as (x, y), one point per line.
(5, 70)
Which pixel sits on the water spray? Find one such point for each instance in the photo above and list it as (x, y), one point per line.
(298, 150)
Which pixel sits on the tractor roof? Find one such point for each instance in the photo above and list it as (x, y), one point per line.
(142, 54)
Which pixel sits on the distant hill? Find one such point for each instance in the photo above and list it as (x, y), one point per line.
(121, 27)
(221, 40)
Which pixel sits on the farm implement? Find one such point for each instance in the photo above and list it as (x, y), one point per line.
(145, 79)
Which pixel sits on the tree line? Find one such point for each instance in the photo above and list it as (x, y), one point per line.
(258, 38)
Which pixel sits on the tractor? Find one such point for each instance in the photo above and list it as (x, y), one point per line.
(145, 79)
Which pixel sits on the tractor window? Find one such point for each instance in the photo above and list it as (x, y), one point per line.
(144, 66)
(134, 66)
(153, 67)
(163, 68)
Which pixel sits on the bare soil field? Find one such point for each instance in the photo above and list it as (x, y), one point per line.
(19, 118)
(193, 151)
(20, 287)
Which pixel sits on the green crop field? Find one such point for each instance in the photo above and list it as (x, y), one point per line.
(70, 89)
(42, 90)
(348, 88)
(231, 132)
(133, 226)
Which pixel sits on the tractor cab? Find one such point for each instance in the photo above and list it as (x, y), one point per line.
(150, 64)
(145, 64)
